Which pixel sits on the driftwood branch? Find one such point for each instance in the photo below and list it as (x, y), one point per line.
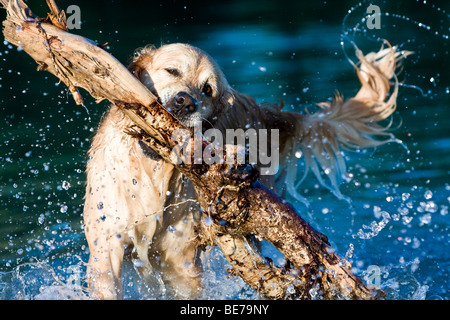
(233, 197)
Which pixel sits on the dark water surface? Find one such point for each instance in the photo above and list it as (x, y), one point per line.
(270, 49)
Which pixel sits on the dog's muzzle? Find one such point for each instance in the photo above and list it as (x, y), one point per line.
(182, 105)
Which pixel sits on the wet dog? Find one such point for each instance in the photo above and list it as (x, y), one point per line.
(137, 203)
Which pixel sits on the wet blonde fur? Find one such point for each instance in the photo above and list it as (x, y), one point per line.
(143, 206)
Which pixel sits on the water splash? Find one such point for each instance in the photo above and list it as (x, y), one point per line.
(374, 227)
(40, 281)
(401, 283)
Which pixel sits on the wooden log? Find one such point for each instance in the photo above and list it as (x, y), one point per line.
(238, 204)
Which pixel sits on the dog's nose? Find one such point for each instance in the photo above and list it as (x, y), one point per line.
(185, 101)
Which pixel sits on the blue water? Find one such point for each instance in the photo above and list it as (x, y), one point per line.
(273, 50)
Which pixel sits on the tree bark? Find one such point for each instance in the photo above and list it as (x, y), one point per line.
(238, 204)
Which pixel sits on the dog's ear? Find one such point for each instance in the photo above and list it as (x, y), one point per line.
(227, 99)
(141, 59)
(224, 103)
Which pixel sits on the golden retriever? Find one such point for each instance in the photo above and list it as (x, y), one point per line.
(139, 204)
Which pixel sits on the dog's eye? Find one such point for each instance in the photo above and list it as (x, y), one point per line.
(207, 90)
(173, 72)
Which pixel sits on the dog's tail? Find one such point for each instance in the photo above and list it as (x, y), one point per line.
(321, 137)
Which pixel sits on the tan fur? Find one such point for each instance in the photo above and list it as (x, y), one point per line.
(347, 125)
(131, 200)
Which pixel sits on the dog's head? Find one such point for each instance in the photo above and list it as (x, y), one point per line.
(188, 83)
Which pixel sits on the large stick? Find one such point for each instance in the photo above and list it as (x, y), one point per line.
(232, 196)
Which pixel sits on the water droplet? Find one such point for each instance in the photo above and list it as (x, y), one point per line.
(65, 185)
(171, 228)
(406, 219)
(134, 182)
(425, 219)
(405, 196)
(349, 176)
(100, 205)
(429, 206)
(428, 194)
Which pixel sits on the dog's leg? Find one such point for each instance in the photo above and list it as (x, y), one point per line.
(180, 259)
(104, 268)
(175, 247)
(105, 219)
